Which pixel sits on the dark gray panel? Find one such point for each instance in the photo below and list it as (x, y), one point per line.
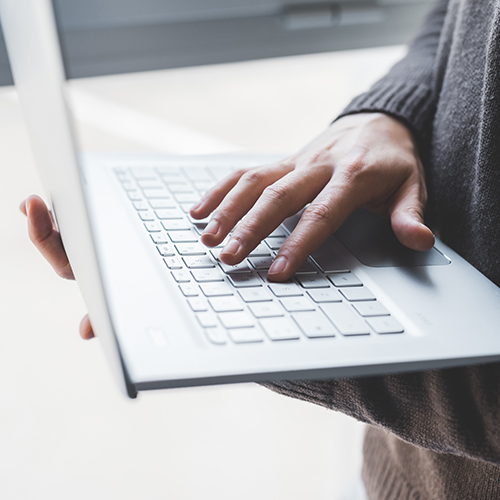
(95, 43)
(121, 49)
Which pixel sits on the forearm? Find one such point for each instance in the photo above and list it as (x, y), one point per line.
(409, 91)
(449, 411)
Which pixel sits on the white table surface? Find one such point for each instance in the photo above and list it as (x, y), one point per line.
(66, 432)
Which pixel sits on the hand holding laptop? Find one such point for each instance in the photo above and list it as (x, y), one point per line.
(46, 238)
(360, 160)
(368, 159)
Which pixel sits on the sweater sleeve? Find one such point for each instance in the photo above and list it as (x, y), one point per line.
(408, 91)
(453, 411)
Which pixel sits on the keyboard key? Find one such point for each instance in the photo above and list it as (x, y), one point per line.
(255, 294)
(186, 207)
(146, 215)
(216, 335)
(189, 290)
(242, 267)
(266, 309)
(159, 238)
(325, 295)
(181, 276)
(206, 275)
(245, 335)
(245, 280)
(225, 304)
(220, 172)
(198, 262)
(135, 195)
(143, 172)
(275, 243)
(311, 281)
(165, 250)
(190, 249)
(236, 320)
(173, 263)
(162, 203)
(150, 184)
(314, 324)
(373, 308)
(180, 187)
(261, 250)
(202, 187)
(152, 227)
(344, 279)
(294, 304)
(176, 225)
(329, 262)
(285, 289)
(306, 268)
(357, 293)
(345, 319)
(191, 197)
(261, 262)
(183, 236)
(141, 205)
(129, 186)
(170, 172)
(169, 213)
(280, 328)
(156, 193)
(215, 253)
(278, 233)
(216, 289)
(207, 319)
(198, 304)
(385, 324)
(198, 174)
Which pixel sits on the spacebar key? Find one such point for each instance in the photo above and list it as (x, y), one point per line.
(345, 319)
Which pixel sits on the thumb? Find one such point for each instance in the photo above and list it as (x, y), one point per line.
(407, 217)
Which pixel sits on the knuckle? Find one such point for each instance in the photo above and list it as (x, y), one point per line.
(254, 176)
(240, 173)
(318, 212)
(276, 193)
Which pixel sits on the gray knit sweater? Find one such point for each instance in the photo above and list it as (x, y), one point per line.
(436, 435)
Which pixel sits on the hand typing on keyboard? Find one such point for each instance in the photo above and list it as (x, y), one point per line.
(360, 160)
(368, 159)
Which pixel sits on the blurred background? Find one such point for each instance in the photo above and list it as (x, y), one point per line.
(197, 76)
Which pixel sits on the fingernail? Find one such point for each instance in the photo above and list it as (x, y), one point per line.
(232, 247)
(212, 227)
(278, 266)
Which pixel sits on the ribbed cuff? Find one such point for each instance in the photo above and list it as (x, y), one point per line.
(413, 104)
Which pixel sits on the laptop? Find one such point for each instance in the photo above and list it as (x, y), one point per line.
(169, 314)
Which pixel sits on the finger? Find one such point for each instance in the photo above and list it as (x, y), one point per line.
(407, 216)
(22, 207)
(86, 331)
(322, 218)
(47, 240)
(213, 197)
(240, 200)
(280, 200)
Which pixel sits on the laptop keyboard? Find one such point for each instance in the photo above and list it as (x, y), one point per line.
(237, 304)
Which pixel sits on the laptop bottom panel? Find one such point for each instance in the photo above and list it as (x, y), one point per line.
(361, 305)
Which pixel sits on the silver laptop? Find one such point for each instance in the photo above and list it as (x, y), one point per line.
(170, 314)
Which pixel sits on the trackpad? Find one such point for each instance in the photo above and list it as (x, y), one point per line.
(371, 240)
